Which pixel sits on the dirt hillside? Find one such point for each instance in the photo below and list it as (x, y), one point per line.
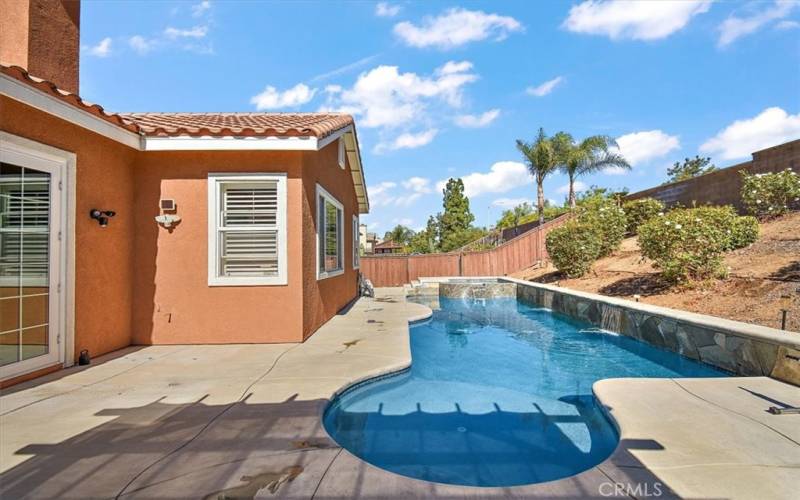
(760, 276)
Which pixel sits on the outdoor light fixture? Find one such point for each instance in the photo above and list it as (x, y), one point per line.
(101, 216)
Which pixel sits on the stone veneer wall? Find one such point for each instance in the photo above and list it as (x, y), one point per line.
(718, 347)
(477, 290)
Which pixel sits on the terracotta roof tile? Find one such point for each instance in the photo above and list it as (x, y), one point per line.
(239, 124)
(317, 125)
(68, 97)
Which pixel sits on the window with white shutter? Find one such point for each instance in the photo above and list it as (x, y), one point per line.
(330, 235)
(247, 229)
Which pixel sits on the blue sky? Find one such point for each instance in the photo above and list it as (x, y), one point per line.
(444, 89)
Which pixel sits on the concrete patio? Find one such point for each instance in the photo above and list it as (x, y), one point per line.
(243, 421)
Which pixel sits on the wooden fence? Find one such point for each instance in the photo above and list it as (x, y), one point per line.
(513, 255)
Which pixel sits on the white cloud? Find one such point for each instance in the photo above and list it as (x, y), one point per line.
(771, 127)
(272, 98)
(407, 140)
(418, 185)
(736, 27)
(477, 121)
(380, 194)
(102, 49)
(385, 9)
(195, 32)
(199, 9)
(403, 221)
(509, 203)
(503, 176)
(787, 25)
(636, 20)
(641, 147)
(456, 27)
(140, 44)
(386, 193)
(384, 97)
(578, 186)
(545, 88)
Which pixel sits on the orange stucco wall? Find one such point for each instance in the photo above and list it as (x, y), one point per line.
(173, 303)
(103, 260)
(139, 283)
(323, 298)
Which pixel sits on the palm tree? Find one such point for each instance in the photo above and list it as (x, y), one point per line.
(591, 155)
(541, 160)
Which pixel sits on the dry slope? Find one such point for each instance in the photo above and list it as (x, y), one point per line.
(760, 276)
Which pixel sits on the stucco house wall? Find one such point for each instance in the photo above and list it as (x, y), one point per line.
(324, 298)
(139, 283)
(103, 256)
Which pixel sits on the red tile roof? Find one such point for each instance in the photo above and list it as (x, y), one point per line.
(68, 97)
(388, 244)
(197, 124)
(239, 124)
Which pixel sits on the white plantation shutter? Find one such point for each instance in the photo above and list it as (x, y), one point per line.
(251, 230)
(24, 219)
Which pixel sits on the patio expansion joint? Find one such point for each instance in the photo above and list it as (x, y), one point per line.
(208, 424)
(776, 431)
(84, 386)
(325, 473)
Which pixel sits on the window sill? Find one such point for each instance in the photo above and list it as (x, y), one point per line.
(217, 281)
(329, 274)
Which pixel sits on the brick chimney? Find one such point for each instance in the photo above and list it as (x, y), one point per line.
(42, 36)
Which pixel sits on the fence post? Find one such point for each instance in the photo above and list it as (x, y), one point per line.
(460, 272)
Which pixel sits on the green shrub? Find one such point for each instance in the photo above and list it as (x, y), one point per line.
(689, 243)
(770, 195)
(604, 215)
(573, 247)
(743, 233)
(683, 245)
(640, 211)
(738, 232)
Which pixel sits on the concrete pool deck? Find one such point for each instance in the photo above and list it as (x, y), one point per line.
(243, 421)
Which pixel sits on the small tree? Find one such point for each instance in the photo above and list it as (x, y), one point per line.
(514, 216)
(399, 234)
(427, 240)
(691, 167)
(456, 220)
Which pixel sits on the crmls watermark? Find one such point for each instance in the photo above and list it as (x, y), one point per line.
(638, 490)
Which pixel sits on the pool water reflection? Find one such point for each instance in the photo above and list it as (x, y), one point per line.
(498, 394)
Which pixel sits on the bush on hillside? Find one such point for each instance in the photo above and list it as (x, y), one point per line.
(608, 220)
(637, 212)
(738, 232)
(573, 247)
(771, 195)
(689, 243)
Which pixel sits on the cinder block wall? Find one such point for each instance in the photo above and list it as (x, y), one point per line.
(723, 186)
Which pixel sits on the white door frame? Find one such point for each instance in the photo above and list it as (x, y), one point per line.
(61, 167)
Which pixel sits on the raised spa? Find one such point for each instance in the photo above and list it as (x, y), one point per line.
(499, 393)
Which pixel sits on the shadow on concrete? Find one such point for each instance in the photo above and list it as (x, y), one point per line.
(66, 372)
(244, 449)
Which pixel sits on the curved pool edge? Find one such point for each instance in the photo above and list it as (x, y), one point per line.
(415, 313)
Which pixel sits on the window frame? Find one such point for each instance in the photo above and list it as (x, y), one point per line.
(356, 241)
(321, 192)
(215, 183)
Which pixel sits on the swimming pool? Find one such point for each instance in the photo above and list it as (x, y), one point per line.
(499, 393)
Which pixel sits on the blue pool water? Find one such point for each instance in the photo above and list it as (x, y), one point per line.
(498, 394)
